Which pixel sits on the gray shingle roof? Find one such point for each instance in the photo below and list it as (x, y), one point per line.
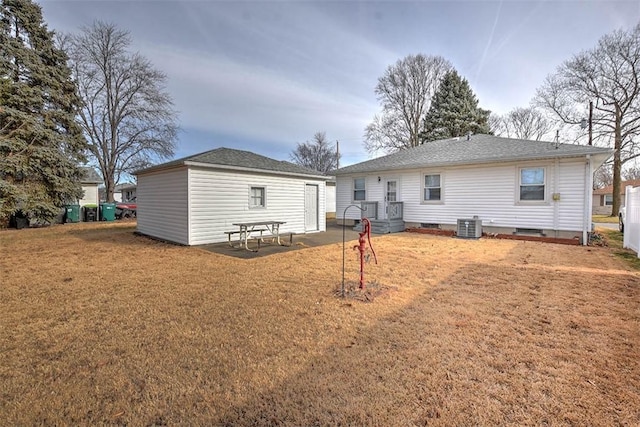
(125, 186)
(477, 149)
(90, 176)
(232, 158)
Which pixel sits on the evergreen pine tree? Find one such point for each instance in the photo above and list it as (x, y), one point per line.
(41, 144)
(454, 111)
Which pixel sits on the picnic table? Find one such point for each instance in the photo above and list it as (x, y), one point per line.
(259, 230)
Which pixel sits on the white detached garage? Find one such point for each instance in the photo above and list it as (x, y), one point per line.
(194, 200)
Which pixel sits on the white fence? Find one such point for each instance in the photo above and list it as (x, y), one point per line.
(632, 220)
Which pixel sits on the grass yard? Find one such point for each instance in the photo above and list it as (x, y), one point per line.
(100, 326)
(605, 218)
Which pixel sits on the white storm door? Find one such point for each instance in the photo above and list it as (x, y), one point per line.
(311, 207)
(390, 195)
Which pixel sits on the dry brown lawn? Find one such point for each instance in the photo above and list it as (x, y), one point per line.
(100, 326)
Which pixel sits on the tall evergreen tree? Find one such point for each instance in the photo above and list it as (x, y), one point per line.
(454, 111)
(41, 145)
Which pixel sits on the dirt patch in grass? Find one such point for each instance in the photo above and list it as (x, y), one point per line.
(100, 326)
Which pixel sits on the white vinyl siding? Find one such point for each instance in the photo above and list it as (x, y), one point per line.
(162, 200)
(489, 191)
(331, 197)
(344, 195)
(572, 195)
(90, 194)
(220, 198)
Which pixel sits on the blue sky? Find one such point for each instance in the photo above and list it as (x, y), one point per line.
(263, 76)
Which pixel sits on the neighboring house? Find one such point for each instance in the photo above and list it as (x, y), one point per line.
(603, 197)
(90, 182)
(125, 192)
(509, 185)
(117, 194)
(194, 200)
(331, 197)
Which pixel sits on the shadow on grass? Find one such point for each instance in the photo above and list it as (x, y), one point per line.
(615, 240)
(487, 346)
(120, 232)
(125, 233)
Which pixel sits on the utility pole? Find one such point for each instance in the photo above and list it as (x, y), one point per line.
(590, 122)
(584, 124)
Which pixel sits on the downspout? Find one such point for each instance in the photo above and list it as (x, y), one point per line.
(556, 198)
(189, 239)
(586, 220)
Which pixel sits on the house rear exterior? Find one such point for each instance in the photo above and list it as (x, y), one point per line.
(193, 201)
(508, 185)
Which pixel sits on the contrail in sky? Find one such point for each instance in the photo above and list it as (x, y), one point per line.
(489, 42)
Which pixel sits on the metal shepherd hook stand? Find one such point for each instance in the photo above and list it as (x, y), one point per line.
(344, 214)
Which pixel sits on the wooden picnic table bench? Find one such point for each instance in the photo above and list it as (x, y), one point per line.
(259, 230)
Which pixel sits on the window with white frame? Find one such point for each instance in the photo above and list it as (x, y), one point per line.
(532, 184)
(257, 197)
(608, 199)
(359, 190)
(432, 188)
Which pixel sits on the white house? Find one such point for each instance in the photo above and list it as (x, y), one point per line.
(125, 192)
(331, 197)
(500, 185)
(89, 182)
(194, 200)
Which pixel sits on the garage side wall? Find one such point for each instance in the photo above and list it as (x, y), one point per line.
(90, 194)
(221, 198)
(163, 205)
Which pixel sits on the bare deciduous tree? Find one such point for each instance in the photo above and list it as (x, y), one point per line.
(405, 92)
(318, 154)
(127, 116)
(496, 124)
(522, 123)
(387, 133)
(631, 173)
(603, 176)
(608, 76)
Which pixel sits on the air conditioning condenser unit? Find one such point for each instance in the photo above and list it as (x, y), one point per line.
(470, 228)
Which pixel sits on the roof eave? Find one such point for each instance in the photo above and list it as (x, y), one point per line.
(156, 168)
(602, 155)
(253, 170)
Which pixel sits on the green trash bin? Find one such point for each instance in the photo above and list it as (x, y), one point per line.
(72, 213)
(107, 211)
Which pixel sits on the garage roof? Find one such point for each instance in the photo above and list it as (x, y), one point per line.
(228, 158)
